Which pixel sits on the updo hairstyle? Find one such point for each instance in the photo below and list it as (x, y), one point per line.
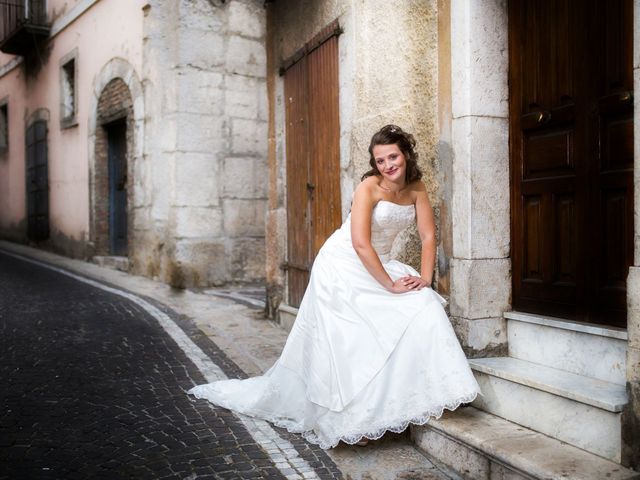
(392, 134)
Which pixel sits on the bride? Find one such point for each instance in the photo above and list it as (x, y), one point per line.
(372, 348)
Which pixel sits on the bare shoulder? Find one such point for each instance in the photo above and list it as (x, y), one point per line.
(366, 189)
(418, 190)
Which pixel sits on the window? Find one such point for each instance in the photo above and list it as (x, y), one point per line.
(68, 90)
(4, 126)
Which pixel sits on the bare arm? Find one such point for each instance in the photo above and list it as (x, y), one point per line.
(361, 209)
(427, 231)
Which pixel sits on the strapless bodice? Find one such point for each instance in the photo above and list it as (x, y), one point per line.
(388, 219)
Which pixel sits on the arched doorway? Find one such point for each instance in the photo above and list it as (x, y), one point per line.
(111, 178)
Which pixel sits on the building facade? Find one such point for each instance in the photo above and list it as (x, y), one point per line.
(525, 125)
(209, 141)
(150, 135)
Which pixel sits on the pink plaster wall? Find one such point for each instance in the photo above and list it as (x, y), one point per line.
(109, 29)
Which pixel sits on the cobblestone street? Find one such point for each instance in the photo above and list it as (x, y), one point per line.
(94, 387)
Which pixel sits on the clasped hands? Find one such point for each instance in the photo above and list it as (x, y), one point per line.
(408, 283)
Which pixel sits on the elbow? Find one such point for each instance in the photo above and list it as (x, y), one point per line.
(360, 246)
(428, 240)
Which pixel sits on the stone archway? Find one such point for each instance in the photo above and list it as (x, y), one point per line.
(117, 104)
(112, 217)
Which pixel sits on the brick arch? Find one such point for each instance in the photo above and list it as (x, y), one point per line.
(117, 96)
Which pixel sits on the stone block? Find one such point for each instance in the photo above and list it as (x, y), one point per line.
(200, 133)
(246, 57)
(198, 263)
(247, 260)
(584, 426)
(480, 288)
(245, 97)
(245, 177)
(470, 464)
(633, 364)
(481, 337)
(633, 307)
(569, 350)
(275, 245)
(248, 20)
(200, 92)
(636, 32)
(197, 180)
(631, 427)
(140, 219)
(163, 136)
(203, 49)
(197, 222)
(201, 15)
(160, 174)
(244, 217)
(479, 59)
(636, 139)
(480, 200)
(248, 137)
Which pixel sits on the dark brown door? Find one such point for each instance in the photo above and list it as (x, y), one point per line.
(313, 160)
(571, 127)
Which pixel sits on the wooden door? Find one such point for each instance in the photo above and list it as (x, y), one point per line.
(117, 159)
(37, 181)
(313, 160)
(571, 130)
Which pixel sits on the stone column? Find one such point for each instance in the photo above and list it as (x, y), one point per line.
(205, 78)
(631, 413)
(480, 267)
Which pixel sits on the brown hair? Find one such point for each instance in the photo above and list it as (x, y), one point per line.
(392, 134)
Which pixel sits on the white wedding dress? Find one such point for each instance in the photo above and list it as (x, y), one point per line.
(359, 360)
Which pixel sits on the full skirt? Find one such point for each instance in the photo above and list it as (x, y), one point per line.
(359, 360)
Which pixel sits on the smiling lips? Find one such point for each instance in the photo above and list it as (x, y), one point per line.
(392, 171)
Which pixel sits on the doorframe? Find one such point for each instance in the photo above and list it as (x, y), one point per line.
(481, 229)
(480, 95)
(116, 68)
(276, 221)
(120, 122)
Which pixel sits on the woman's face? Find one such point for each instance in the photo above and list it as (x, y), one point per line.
(390, 162)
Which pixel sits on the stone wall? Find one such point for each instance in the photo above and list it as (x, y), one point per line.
(205, 85)
(479, 188)
(387, 74)
(631, 414)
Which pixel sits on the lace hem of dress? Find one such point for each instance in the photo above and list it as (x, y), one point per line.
(377, 432)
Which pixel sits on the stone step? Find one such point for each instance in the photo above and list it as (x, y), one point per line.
(582, 411)
(481, 446)
(112, 261)
(568, 345)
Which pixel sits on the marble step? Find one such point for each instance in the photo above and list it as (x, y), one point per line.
(568, 345)
(582, 411)
(479, 446)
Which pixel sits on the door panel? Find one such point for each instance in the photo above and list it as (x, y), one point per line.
(324, 142)
(298, 217)
(117, 157)
(611, 181)
(313, 160)
(37, 182)
(571, 134)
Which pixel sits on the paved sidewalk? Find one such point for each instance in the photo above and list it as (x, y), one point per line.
(233, 332)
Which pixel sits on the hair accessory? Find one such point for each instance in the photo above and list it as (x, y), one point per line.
(393, 130)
